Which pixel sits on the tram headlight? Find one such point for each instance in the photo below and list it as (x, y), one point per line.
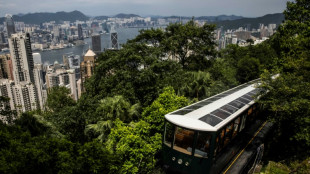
(180, 161)
(187, 164)
(173, 158)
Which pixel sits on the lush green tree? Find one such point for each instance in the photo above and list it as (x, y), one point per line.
(193, 46)
(134, 72)
(112, 108)
(167, 102)
(248, 69)
(58, 98)
(289, 95)
(222, 70)
(134, 147)
(5, 110)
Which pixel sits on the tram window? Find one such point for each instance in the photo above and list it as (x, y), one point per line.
(219, 139)
(250, 111)
(169, 134)
(203, 144)
(243, 122)
(236, 126)
(228, 132)
(183, 140)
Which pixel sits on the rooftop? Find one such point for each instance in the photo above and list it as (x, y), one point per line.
(213, 113)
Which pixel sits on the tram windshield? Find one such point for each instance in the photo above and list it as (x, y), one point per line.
(183, 138)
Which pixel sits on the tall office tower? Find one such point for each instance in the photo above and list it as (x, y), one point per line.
(96, 43)
(80, 32)
(79, 88)
(65, 60)
(73, 88)
(24, 90)
(56, 33)
(2, 38)
(114, 42)
(39, 83)
(10, 26)
(87, 67)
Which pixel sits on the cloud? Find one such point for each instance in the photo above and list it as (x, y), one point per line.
(155, 7)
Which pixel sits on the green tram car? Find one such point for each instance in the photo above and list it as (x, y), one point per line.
(203, 137)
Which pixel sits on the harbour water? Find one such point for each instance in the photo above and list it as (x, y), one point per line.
(124, 34)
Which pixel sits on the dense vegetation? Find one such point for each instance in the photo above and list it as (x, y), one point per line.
(117, 124)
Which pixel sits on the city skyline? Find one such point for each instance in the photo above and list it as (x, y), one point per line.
(148, 7)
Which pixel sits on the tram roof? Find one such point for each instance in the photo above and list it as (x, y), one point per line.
(213, 113)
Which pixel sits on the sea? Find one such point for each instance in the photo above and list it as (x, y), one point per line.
(124, 34)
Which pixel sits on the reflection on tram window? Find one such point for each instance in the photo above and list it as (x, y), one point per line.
(203, 144)
(236, 126)
(169, 134)
(183, 140)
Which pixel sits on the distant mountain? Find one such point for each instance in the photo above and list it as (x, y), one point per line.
(219, 18)
(37, 18)
(276, 18)
(101, 17)
(122, 15)
(206, 18)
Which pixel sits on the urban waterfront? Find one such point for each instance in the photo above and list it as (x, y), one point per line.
(124, 34)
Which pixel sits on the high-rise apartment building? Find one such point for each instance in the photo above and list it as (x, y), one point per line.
(25, 90)
(10, 26)
(6, 67)
(59, 76)
(22, 60)
(96, 43)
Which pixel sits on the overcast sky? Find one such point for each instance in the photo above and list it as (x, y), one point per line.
(246, 8)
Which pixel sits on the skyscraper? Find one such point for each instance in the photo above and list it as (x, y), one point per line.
(10, 26)
(80, 32)
(96, 43)
(114, 42)
(2, 38)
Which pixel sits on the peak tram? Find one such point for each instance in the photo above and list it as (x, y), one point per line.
(205, 136)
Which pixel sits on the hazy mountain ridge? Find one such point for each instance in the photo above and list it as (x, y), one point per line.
(227, 21)
(276, 18)
(37, 18)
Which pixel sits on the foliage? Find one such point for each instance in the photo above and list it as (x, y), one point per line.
(5, 110)
(58, 98)
(133, 146)
(133, 72)
(289, 94)
(167, 102)
(117, 107)
(109, 109)
(200, 85)
(190, 44)
(248, 69)
(222, 70)
(22, 152)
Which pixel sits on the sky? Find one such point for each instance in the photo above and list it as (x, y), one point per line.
(245, 8)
